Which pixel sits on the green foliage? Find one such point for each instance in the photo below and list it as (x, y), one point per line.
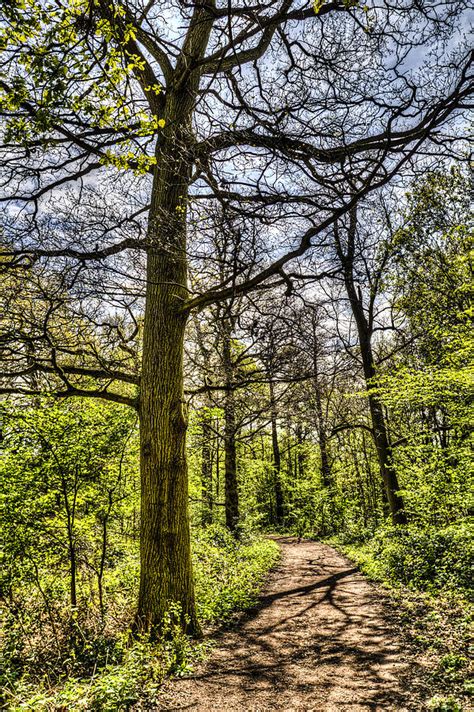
(444, 704)
(426, 559)
(228, 572)
(70, 498)
(138, 674)
(69, 486)
(75, 63)
(68, 475)
(65, 467)
(427, 388)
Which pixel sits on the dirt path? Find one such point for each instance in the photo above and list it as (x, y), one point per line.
(319, 641)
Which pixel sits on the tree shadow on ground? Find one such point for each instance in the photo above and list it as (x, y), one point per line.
(317, 640)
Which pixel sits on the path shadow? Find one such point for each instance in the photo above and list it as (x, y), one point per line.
(326, 635)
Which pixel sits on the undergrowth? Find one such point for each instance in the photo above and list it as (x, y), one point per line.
(225, 584)
(424, 559)
(427, 574)
(94, 664)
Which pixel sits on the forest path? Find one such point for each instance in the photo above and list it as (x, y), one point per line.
(320, 640)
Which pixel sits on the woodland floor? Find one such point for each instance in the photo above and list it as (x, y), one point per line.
(322, 639)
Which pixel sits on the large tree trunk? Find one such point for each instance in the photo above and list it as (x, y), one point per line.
(165, 550)
(166, 574)
(279, 511)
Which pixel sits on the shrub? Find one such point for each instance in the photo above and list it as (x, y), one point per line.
(443, 704)
(90, 665)
(426, 559)
(228, 572)
(137, 674)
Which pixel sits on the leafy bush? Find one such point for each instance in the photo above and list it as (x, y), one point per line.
(114, 687)
(444, 704)
(427, 559)
(97, 668)
(135, 672)
(229, 573)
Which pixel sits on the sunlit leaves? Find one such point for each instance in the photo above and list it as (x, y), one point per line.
(72, 68)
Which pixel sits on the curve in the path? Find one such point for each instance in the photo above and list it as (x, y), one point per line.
(319, 641)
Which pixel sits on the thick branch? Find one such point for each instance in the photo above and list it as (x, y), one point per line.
(73, 392)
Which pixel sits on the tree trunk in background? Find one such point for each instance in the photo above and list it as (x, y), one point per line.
(321, 424)
(218, 462)
(279, 511)
(384, 453)
(365, 332)
(70, 508)
(326, 474)
(231, 486)
(73, 569)
(288, 455)
(300, 455)
(372, 481)
(206, 471)
(359, 481)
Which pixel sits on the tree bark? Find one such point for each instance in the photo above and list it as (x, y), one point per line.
(218, 461)
(279, 510)
(166, 573)
(231, 486)
(165, 551)
(365, 333)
